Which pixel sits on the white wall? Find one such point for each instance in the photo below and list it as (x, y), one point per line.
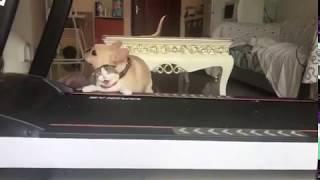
(272, 8)
(251, 11)
(26, 33)
(218, 9)
(30, 20)
(289, 9)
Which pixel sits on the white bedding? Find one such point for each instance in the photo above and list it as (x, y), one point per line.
(282, 68)
(279, 61)
(311, 73)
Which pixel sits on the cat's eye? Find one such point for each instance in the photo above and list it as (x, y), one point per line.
(94, 53)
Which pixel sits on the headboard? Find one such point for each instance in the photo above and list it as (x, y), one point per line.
(299, 31)
(245, 31)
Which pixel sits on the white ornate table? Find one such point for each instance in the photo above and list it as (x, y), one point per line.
(181, 55)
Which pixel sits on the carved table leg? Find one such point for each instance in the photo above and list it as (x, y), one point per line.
(227, 67)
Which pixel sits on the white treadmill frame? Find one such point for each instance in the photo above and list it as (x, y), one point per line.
(155, 154)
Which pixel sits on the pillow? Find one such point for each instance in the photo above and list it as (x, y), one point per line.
(262, 42)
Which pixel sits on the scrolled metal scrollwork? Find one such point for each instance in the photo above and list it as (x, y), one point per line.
(169, 69)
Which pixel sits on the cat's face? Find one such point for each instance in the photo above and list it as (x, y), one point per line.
(107, 77)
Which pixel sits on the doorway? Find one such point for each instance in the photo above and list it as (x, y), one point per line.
(146, 15)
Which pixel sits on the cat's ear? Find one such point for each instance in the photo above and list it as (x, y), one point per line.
(104, 72)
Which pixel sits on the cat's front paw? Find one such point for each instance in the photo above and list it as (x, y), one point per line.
(126, 92)
(89, 89)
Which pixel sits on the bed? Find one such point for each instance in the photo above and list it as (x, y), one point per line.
(273, 57)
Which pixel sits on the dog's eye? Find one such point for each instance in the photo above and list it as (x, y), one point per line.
(94, 53)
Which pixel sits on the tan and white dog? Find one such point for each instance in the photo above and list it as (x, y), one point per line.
(117, 71)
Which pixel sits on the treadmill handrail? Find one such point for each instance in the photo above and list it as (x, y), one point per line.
(50, 39)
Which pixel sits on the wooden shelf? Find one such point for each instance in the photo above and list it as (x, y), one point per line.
(79, 33)
(110, 17)
(196, 17)
(71, 61)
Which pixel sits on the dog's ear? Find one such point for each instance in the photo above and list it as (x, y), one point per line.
(121, 55)
(117, 44)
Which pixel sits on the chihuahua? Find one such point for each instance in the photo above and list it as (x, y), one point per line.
(117, 71)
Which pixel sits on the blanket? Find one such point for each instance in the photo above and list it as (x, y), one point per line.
(283, 66)
(311, 72)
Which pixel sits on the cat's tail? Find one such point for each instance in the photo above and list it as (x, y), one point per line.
(160, 25)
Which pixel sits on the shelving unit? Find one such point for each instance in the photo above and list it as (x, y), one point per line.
(79, 33)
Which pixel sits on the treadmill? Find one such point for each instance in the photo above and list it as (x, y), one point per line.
(45, 124)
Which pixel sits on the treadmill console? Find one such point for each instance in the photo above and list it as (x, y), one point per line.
(21, 95)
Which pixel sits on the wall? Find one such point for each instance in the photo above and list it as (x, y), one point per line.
(289, 9)
(30, 20)
(272, 9)
(218, 9)
(251, 11)
(214, 14)
(28, 27)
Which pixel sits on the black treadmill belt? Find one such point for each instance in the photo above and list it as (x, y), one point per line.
(37, 101)
(150, 111)
(32, 106)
